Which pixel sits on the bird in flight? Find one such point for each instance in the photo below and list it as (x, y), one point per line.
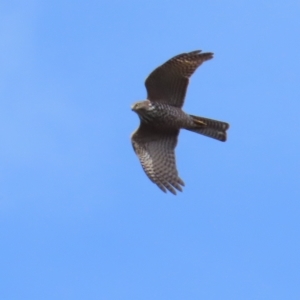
(161, 119)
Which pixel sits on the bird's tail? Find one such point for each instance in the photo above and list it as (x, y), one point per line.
(211, 128)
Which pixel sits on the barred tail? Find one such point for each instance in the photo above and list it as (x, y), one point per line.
(211, 128)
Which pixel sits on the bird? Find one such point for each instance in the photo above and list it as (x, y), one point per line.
(161, 119)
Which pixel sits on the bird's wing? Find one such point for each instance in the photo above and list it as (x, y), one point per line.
(155, 151)
(168, 82)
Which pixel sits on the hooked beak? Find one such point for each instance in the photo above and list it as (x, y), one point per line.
(133, 107)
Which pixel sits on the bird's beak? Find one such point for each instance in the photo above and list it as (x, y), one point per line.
(133, 107)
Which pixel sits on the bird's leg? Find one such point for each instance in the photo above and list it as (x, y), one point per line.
(199, 122)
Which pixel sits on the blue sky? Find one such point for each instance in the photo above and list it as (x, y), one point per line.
(78, 217)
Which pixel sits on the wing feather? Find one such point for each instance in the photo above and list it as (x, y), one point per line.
(155, 151)
(168, 83)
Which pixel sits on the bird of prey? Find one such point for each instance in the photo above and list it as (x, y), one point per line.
(161, 119)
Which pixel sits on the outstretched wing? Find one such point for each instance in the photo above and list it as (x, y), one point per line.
(155, 151)
(168, 83)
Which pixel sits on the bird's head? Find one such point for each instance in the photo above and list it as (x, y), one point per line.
(143, 106)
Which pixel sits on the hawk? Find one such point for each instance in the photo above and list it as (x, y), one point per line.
(161, 119)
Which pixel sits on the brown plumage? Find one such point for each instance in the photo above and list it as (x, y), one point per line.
(162, 118)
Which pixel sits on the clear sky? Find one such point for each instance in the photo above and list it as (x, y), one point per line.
(79, 219)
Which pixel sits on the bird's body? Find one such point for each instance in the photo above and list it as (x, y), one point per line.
(162, 118)
(162, 115)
